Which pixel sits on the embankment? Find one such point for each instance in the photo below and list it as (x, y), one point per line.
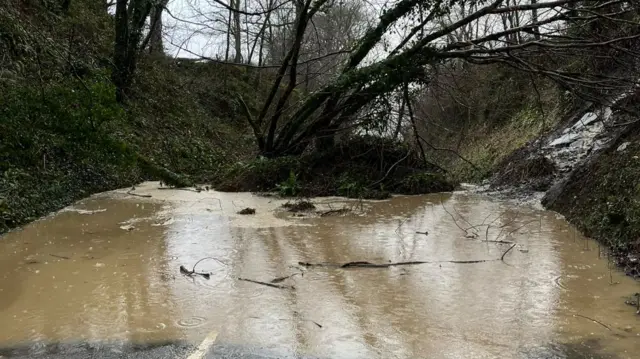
(62, 134)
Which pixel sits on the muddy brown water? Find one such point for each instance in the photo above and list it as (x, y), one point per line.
(106, 270)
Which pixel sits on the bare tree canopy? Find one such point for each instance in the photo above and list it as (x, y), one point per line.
(332, 61)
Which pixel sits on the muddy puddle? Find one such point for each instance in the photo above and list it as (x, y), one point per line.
(106, 270)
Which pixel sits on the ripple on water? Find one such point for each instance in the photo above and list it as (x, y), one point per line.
(216, 279)
(191, 322)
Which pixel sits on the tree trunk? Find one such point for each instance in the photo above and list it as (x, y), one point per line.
(226, 53)
(236, 33)
(120, 75)
(396, 133)
(156, 47)
(534, 19)
(129, 22)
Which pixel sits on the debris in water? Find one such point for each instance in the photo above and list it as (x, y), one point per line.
(279, 286)
(128, 227)
(507, 251)
(299, 206)
(57, 256)
(130, 192)
(189, 273)
(248, 211)
(634, 300)
(425, 233)
(593, 320)
(336, 212)
(365, 264)
(83, 211)
(282, 279)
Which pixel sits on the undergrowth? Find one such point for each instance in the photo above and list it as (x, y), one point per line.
(360, 167)
(62, 134)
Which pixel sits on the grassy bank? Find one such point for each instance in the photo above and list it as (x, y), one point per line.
(475, 117)
(487, 148)
(62, 134)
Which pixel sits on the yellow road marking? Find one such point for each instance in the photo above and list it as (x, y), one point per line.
(202, 349)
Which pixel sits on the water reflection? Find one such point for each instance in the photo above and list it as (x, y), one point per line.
(123, 285)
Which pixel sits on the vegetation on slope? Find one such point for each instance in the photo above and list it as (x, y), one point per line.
(63, 136)
(359, 167)
(480, 115)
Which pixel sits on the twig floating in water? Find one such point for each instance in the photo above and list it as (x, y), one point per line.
(138, 195)
(593, 320)
(215, 259)
(189, 273)
(364, 264)
(507, 251)
(425, 233)
(314, 322)
(282, 279)
(558, 283)
(335, 211)
(57, 256)
(498, 241)
(267, 284)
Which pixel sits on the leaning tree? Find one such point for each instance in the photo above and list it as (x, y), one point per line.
(426, 34)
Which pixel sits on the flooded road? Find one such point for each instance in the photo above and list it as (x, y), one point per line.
(106, 272)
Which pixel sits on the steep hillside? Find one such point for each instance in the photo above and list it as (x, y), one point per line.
(63, 136)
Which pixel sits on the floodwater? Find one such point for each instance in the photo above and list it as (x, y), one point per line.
(107, 270)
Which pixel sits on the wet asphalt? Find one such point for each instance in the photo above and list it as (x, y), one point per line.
(177, 350)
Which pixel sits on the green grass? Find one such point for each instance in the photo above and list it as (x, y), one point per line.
(487, 147)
